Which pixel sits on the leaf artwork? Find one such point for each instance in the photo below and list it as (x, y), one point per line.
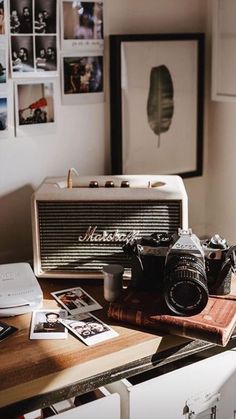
(160, 104)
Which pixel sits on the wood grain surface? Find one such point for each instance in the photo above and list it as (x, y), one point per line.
(29, 368)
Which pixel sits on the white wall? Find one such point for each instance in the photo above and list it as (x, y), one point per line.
(82, 138)
(221, 168)
(221, 185)
(169, 16)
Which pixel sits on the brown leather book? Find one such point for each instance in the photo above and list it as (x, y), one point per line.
(214, 324)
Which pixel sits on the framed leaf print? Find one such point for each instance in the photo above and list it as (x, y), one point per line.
(156, 102)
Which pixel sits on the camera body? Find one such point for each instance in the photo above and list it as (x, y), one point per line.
(183, 268)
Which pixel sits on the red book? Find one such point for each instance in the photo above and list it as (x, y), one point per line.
(214, 324)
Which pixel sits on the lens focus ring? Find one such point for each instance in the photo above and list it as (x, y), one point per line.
(185, 288)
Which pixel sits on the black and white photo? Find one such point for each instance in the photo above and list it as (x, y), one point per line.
(76, 300)
(6, 330)
(46, 324)
(21, 20)
(46, 53)
(22, 54)
(3, 65)
(45, 16)
(34, 38)
(89, 328)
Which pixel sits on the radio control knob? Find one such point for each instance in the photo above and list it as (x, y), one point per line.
(124, 184)
(93, 184)
(109, 184)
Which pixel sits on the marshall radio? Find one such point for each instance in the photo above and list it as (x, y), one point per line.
(81, 224)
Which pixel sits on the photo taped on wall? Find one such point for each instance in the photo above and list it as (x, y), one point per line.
(3, 115)
(46, 53)
(3, 63)
(82, 25)
(35, 107)
(22, 55)
(21, 17)
(45, 16)
(2, 17)
(82, 78)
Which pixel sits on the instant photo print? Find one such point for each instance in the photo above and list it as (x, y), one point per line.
(7, 128)
(89, 329)
(82, 25)
(6, 330)
(46, 324)
(82, 78)
(35, 107)
(76, 300)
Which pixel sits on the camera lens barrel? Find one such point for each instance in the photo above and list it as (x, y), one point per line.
(185, 285)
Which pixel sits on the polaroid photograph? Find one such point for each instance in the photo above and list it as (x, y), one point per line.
(45, 16)
(22, 55)
(46, 53)
(82, 25)
(2, 18)
(3, 114)
(89, 328)
(46, 324)
(35, 107)
(21, 21)
(6, 330)
(3, 64)
(82, 79)
(76, 300)
(7, 126)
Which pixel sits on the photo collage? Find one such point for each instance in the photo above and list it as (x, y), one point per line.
(48, 47)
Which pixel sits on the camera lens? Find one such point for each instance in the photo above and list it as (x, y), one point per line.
(185, 285)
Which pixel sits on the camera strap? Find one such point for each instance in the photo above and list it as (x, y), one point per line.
(230, 261)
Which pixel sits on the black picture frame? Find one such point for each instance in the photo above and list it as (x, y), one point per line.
(182, 43)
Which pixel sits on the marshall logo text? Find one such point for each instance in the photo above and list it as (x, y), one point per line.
(91, 235)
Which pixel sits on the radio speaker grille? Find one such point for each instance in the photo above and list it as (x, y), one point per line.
(62, 223)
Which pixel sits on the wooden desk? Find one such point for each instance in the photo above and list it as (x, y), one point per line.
(37, 373)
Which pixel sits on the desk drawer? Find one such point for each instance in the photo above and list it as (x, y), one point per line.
(99, 404)
(199, 390)
(107, 407)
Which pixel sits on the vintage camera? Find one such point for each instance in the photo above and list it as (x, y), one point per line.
(183, 268)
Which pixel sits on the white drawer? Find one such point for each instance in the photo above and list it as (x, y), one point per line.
(103, 405)
(193, 391)
(107, 407)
